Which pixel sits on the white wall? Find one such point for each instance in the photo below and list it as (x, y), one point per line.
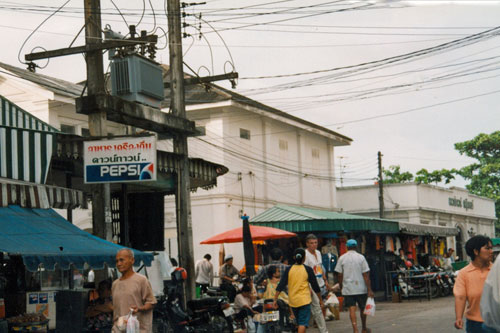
(262, 173)
(423, 204)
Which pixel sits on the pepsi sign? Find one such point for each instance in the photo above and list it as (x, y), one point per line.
(120, 160)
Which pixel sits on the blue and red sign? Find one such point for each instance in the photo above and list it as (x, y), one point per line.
(123, 160)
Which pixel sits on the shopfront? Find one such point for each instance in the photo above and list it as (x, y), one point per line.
(333, 229)
(42, 256)
(426, 210)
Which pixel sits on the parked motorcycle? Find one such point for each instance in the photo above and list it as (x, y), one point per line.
(212, 314)
(418, 285)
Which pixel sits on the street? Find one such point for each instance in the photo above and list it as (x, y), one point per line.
(436, 315)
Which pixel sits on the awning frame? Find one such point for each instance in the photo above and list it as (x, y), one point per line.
(426, 230)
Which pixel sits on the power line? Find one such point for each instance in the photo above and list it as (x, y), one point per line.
(485, 34)
(415, 109)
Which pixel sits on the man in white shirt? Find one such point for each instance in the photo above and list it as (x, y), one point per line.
(354, 279)
(204, 273)
(313, 260)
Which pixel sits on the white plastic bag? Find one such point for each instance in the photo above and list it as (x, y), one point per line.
(332, 299)
(370, 307)
(490, 298)
(132, 323)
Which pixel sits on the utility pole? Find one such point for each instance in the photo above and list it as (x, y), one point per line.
(101, 207)
(183, 200)
(380, 187)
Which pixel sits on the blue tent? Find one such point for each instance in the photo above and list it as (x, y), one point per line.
(41, 236)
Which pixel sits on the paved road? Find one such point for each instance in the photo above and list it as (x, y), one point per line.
(423, 316)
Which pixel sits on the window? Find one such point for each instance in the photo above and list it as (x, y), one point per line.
(315, 153)
(67, 129)
(85, 132)
(244, 134)
(283, 144)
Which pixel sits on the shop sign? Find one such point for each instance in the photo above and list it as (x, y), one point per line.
(461, 203)
(120, 160)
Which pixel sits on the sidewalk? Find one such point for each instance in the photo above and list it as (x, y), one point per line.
(436, 315)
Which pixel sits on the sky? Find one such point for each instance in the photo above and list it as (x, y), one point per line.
(407, 78)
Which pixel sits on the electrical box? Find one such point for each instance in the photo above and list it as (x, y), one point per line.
(137, 79)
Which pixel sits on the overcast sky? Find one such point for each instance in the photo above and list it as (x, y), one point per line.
(412, 108)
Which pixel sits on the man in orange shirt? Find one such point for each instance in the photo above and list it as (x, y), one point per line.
(470, 282)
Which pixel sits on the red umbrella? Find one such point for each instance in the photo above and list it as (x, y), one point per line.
(258, 233)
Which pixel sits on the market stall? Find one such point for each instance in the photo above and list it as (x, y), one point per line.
(42, 254)
(332, 229)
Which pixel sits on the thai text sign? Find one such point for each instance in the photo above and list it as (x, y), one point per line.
(120, 160)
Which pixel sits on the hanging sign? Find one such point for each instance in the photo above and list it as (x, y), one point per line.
(120, 160)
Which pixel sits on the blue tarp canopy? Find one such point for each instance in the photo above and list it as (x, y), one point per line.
(41, 236)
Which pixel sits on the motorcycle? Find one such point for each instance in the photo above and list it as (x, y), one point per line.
(270, 317)
(211, 314)
(418, 285)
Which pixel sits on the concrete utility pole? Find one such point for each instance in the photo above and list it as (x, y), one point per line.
(101, 207)
(380, 187)
(183, 200)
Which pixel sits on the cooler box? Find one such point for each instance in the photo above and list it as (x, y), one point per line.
(44, 302)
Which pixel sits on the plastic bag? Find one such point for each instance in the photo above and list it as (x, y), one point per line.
(370, 307)
(132, 323)
(332, 299)
(490, 298)
(122, 323)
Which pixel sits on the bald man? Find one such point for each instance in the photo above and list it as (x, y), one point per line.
(132, 291)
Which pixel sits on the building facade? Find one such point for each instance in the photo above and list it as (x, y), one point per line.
(426, 206)
(272, 157)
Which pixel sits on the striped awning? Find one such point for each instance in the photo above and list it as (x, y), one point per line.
(26, 144)
(32, 195)
(13, 116)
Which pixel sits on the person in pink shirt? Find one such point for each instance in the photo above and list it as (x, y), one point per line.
(469, 284)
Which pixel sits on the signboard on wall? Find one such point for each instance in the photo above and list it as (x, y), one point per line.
(120, 160)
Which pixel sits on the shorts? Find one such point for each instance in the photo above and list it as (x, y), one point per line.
(302, 314)
(351, 300)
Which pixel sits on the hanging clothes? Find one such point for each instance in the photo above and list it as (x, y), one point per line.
(342, 245)
(377, 242)
(389, 244)
(426, 245)
(398, 244)
(363, 244)
(442, 247)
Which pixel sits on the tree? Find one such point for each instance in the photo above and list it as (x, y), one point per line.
(393, 175)
(484, 174)
(437, 176)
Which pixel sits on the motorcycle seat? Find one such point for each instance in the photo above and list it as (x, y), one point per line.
(203, 303)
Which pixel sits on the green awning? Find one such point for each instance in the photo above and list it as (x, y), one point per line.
(300, 219)
(495, 241)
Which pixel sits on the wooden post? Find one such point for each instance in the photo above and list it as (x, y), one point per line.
(183, 200)
(380, 187)
(101, 210)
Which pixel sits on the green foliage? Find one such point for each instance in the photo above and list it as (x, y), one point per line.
(484, 174)
(393, 175)
(437, 176)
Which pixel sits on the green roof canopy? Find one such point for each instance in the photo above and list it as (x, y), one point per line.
(299, 219)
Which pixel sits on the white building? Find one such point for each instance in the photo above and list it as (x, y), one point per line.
(273, 158)
(425, 207)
